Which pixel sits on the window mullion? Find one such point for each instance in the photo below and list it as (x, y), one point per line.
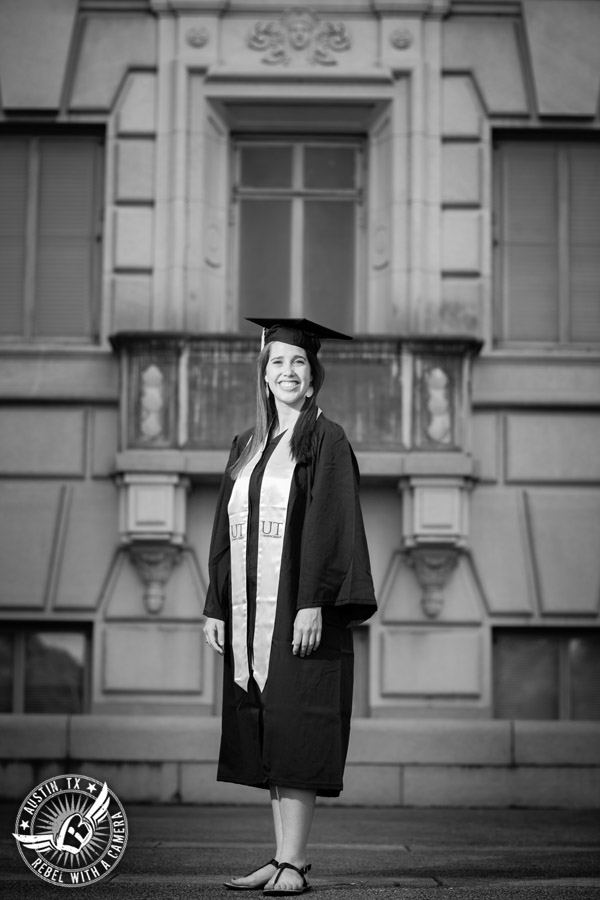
(31, 237)
(503, 312)
(564, 698)
(297, 248)
(19, 673)
(96, 269)
(563, 243)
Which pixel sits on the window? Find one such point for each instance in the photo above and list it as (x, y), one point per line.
(297, 206)
(43, 669)
(546, 674)
(547, 240)
(50, 228)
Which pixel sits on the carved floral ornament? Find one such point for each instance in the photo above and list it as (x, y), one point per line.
(401, 38)
(197, 37)
(433, 567)
(296, 31)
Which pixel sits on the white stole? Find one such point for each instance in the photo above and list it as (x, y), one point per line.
(274, 497)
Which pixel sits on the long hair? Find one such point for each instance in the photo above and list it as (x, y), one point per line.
(301, 445)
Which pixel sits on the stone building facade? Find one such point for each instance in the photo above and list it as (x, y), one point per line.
(422, 173)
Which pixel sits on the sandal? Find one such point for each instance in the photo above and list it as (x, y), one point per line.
(281, 891)
(232, 886)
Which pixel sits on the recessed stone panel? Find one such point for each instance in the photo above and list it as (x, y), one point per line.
(42, 440)
(135, 171)
(152, 659)
(110, 45)
(90, 541)
(489, 48)
(566, 536)
(500, 550)
(131, 302)
(27, 540)
(564, 41)
(432, 662)
(461, 174)
(137, 110)
(105, 428)
(553, 447)
(461, 241)
(34, 38)
(462, 112)
(133, 230)
(462, 310)
(486, 447)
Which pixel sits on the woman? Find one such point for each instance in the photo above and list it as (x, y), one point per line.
(289, 572)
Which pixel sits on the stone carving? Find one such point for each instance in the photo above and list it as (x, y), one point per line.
(197, 37)
(298, 30)
(401, 38)
(152, 402)
(154, 563)
(433, 567)
(214, 245)
(439, 425)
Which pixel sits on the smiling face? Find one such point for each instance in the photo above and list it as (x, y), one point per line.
(288, 375)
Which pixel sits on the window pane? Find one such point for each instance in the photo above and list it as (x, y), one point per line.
(54, 672)
(584, 250)
(532, 293)
(584, 194)
(13, 206)
(585, 293)
(266, 167)
(329, 259)
(6, 672)
(526, 676)
(264, 270)
(64, 278)
(528, 241)
(530, 193)
(584, 668)
(329, 167)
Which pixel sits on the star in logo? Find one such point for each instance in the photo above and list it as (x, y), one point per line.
(24, 825)
(92, 787)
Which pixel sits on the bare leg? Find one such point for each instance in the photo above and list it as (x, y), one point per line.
(292, 816)
(259, 877)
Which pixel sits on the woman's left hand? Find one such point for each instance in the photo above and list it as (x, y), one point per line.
(308, 626)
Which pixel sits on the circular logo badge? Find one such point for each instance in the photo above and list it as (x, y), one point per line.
(71, 830)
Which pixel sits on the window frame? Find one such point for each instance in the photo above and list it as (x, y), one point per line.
(563, 138)
(35, 134)
(563, 635)
(19, 631)
(297, 195)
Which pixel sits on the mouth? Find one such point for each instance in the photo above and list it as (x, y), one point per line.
(288, 385)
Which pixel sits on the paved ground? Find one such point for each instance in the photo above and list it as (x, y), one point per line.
(181, 852)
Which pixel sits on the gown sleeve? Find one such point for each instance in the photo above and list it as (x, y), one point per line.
(335, 569)
(219, 559)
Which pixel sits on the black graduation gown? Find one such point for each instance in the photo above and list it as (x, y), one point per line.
(295, 732)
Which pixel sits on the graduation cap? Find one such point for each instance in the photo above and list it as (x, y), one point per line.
(298, 332)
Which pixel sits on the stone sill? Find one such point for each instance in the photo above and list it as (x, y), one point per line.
(379, 742)
(385, 465)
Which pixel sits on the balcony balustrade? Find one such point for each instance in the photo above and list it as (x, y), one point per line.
(403, 402)
(194, 392)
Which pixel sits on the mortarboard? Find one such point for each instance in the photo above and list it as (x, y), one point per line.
(298, 332)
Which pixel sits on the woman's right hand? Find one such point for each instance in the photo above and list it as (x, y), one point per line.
(214, 631)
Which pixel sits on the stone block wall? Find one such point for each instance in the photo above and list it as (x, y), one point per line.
(418, 763)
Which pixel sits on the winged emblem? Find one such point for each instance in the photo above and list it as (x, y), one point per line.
(76, 831)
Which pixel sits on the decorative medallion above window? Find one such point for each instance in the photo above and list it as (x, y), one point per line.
(299, 30)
